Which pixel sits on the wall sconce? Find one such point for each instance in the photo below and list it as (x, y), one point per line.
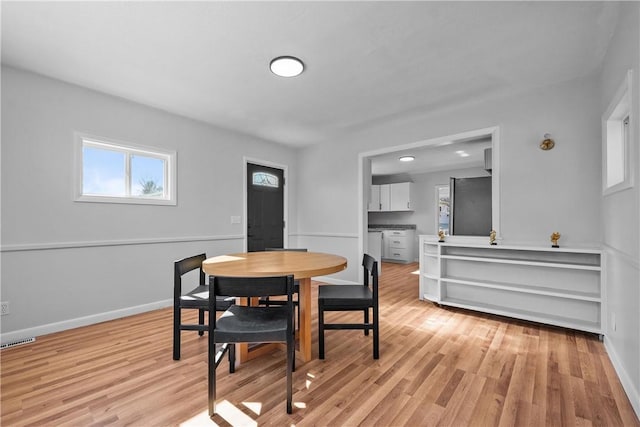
(547, 143)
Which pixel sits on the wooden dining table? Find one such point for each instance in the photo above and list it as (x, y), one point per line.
(303, 266)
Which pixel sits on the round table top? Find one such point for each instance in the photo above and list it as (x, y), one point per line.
(274, 263)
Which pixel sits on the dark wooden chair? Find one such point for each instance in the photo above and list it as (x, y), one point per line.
(352, 298)
(195, 299)
(251, 324)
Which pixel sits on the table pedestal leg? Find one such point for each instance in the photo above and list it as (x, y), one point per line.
(249, 351)
(304, 301)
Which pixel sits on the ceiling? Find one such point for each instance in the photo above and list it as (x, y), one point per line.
(368, 64)
(449, 155)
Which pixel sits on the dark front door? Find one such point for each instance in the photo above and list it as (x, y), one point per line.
(265, 207)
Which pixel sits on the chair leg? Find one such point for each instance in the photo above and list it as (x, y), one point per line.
(290, 367)
(201, 320)
(176, 333)
(212, 376)
(376, 333)
(232, 358)
(320, 332)
(366, 320)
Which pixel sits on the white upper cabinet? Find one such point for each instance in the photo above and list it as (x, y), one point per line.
(400, 197)
(391, 197)
(374, 199)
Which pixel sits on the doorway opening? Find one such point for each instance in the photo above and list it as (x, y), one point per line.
(436, 151)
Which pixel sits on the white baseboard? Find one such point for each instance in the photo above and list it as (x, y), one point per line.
(82, 321)
(627, 383)
(111, 315)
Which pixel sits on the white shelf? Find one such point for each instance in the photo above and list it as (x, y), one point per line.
(557, 286)
(593, 251)
(533, 316)
(538, 290)
(521, 262)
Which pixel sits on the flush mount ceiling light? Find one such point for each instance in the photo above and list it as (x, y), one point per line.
(286, 66)
(407, 159)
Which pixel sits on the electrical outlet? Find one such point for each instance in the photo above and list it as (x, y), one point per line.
(4, 307)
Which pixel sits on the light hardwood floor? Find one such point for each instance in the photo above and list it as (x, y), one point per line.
(437, 366)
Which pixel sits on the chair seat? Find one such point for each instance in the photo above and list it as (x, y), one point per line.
(252, 324)
(199, 298)
(345, 295)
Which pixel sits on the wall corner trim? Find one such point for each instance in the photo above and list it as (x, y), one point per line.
(627, 383)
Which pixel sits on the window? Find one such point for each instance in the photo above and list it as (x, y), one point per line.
(443, 206)
(265, 179)
(616, 130)
(115, 172)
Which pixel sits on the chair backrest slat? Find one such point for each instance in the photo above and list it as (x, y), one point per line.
(184, 266)
(370, 266)
(253, 286)
(369, 263)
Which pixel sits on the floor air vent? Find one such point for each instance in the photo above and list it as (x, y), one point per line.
(15, 343)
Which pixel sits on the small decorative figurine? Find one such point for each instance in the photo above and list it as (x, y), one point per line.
(492, 237)
(554, 239)
(441, 236)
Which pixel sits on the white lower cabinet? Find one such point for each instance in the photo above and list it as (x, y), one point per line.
(398, 245)
(557, 286)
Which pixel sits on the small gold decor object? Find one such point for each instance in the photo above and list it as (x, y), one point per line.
(547, 143)
(492, 237)
(441, 236)
(554, 239)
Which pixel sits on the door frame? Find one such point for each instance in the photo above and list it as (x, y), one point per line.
(285, 190)
(364, 178)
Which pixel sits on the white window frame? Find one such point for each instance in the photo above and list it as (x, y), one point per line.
(82, 140)
(614, 132)
(438, 187)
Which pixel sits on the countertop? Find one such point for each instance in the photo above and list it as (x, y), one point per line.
(376, 227)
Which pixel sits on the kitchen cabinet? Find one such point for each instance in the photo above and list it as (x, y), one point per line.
(397, 245)
(391, 197)
(400, 196)
(556, 286)
(374, 199)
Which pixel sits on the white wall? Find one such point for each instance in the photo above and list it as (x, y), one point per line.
(66, 263)
(621, 211)
(542, 191)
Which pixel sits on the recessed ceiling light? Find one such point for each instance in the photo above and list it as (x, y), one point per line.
(407, 159)
(464, 154)
(286, 66)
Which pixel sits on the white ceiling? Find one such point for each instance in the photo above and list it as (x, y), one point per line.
(368, 63)
(432, 158)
